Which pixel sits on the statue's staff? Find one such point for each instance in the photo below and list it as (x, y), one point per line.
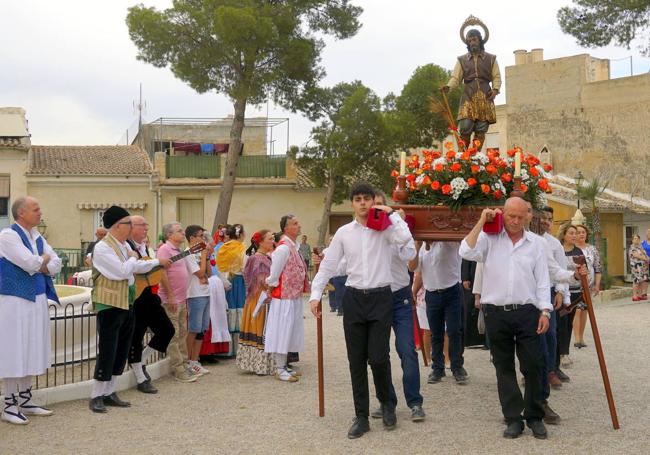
(319, 349)
(586, 294)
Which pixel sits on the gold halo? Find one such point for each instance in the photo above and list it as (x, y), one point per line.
(473, 20)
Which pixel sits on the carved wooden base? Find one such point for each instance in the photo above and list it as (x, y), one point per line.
(440, 223)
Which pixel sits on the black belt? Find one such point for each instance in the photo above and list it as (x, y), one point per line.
(368, 291)
(511, 307)
(440, 291)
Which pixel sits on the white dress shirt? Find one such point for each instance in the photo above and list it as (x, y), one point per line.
(439, 265)
(400, 257)
(279, 259)
(12, 248)
(342, 268)
(557, 267)
(367, 253)
(111, 266)
(512, 274)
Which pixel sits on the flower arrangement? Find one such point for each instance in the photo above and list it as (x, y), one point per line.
(455, 179)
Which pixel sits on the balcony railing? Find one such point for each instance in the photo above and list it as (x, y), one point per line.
(198, 167)
(210, 167)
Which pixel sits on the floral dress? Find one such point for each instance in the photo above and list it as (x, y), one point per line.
(639, 266)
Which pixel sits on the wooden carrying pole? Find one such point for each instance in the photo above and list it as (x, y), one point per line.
(319, 350)
(586, 293)
(418, 331)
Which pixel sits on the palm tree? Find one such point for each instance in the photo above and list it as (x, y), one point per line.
(589, 193)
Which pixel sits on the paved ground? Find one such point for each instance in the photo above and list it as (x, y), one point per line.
(232, 412)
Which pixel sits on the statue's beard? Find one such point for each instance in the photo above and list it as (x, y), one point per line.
(475, 48)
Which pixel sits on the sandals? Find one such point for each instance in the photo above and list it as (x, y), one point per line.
(16, 417)
(29, 408)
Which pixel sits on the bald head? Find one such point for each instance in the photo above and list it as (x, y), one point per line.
(26, 212)
(139, 228)
(101, 232)
(515, 214)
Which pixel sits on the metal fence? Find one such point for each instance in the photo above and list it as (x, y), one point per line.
(72, 261)
(74, 345)
(210, 167)
(265, 166)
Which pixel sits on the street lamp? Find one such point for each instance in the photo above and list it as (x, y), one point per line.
(579, 178)
(42, 227)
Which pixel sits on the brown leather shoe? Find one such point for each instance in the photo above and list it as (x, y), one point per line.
(550, 416)
(554, 381)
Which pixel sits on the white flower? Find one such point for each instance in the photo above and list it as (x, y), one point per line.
(524, 175)
(481, 158)
(419, 178)
(440, 160)
(458, 185)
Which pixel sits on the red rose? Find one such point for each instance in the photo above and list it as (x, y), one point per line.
(438, 167)
(491, 169)
(548, 167)
(471, 181)
(394, 173)
(451, 155)
(498, 194)
(506, 177)
(485, 188)
(533, 171)
(524, 188)
(446, 189)
(436, 154)
(435, 185)
(475, 169)
(456, 167)
(410, 177)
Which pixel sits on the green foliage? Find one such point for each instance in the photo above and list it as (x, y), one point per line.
(597, 23)
(351, 141)
(247, 49)
(413, 122)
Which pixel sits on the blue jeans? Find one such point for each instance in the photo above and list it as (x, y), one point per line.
(339, 289)
(405, 346)
(549, 347)
(445, 308)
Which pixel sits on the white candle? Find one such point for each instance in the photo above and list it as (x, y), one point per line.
(518, 164)
(402, 163)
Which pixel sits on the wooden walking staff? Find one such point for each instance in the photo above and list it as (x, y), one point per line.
(418, 331)
(319, 350)
(599, 347)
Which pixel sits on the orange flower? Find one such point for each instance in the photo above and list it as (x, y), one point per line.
(512, 153)
(485, 188)
(477, 143)
(418, 171)
(410, 177)
(543, 184)
(446, 189)
(435, 185)
(415, 158)
(502, 164)
(533, 171)
(425, 181)
(436, 154)
(456, 167)
(451, 155)
(461, 143)
(465, 156)
(498, 194)
(438, 167)
(471, 181)
(426, 166)
(524, 188)
(548, 167)
(475, 169)
(449, 145)
(394, 173)
(491, 169)
(506, 177)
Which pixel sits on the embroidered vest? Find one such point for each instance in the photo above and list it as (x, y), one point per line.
(113, 293)
(293, 281)
(16, 282)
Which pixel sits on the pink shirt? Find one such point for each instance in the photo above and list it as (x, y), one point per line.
(178, 274)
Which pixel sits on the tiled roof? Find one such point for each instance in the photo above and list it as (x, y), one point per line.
(564, 191)
(88, 160)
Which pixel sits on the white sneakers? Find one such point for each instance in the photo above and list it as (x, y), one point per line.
(285, 375)
(195, 368)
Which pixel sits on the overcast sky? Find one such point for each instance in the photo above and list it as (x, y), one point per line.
(72, 66)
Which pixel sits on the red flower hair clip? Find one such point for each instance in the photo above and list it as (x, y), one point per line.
(257, 238)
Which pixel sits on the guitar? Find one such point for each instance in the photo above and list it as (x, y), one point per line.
(154, 276)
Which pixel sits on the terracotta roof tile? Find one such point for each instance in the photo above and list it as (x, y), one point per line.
(88, 160)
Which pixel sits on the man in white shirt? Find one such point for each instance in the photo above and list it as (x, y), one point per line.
(515, 300)
(439, 265)
(27, 264)
(149, 314)
(403, 327)
(113, 294)
(367, 303)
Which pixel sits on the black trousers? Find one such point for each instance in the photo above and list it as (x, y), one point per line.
(149, 313)
(511, 331)
(367, 319)
(115, 329)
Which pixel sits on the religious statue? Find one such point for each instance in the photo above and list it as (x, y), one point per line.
(479, 72)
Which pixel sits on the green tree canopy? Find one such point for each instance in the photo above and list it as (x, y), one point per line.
(597, 23)
(350, 143)
(249, 50)
(409, 118)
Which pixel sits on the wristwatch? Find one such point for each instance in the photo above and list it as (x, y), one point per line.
(546, 314)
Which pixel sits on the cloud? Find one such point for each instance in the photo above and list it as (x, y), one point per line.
(72, 65)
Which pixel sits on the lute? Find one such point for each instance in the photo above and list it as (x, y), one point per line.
(154, 276)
